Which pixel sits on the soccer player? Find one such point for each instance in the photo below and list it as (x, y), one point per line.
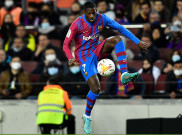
(85, 31)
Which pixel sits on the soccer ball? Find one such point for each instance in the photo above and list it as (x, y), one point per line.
(105, 67)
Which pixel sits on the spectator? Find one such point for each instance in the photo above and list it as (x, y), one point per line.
(50, 98)
(19, 49)
(53, 69)
(10, 8)
(148, 67)
(154, 21)
(173, 57)
(7, 30)
(143, 16)
(134, 9)
(29, 39)
(164, 13)
(44, 43)
(75, 79)
(65, 29)
(152, 53)
(4, 61)
(179, 8)
(175, 42)
(132, 89)
(49, 56)
(47, 28)
(47, 11)
(120, 15)
(103, 8)
(32, 16)
(158, 37)
(76, 9)
(174, 79)
(15, 83)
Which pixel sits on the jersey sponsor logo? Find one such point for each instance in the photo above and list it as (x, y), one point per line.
(90, 37)
(68, 33)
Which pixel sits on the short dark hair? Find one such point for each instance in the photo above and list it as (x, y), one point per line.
(53, 81)
(145, 3)
(19, 38)
(177, 62)
(89, 4)
(44, 35)
(15, 56)
(147, 35)
(20, 25)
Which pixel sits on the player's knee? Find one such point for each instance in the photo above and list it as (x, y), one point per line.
(96, 90)
(115, 40)
(118, 39)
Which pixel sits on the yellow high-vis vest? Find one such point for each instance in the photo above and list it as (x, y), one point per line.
(51, 105)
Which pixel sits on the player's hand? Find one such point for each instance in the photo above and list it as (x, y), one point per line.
(142, 45)
(72, 62)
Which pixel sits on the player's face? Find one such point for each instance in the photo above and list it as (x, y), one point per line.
(90, 14)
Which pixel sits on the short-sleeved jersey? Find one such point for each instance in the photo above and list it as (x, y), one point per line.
(86, 36)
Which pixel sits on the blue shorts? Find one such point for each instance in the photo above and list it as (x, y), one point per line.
(89, 67)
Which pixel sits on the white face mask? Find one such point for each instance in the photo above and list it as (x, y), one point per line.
(50, 57)
(177, 72)
(82, 2)
(15, 65)
(46, 1)
(175, 58)
(8, 3)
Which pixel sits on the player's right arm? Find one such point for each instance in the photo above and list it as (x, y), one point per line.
(71, 34)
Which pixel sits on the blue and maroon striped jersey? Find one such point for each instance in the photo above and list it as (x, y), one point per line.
(86, 36)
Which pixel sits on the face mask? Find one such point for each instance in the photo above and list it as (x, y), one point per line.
(75, 70)
(53, 70)
(46, 1)
(16, 49)
(15, 65)
(175, 58)
(50, 57)
(45, 25)
(8, 4)
(82, 2)
(177, 72)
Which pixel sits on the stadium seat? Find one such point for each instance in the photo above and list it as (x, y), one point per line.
(29, 66)
(136, 64)
(160, 86)
(56, 43)
(149, 80)
(34, 78)
(159, 64)
(133, 47)
(134, 30)
(164, 53)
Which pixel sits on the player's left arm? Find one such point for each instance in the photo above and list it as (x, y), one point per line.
(115, 25)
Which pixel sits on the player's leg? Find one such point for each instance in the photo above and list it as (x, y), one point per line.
(94, 85)
(116, 43)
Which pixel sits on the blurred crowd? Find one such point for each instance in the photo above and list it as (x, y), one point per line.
(32, 34)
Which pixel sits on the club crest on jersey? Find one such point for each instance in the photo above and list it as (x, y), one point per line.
(100, 27)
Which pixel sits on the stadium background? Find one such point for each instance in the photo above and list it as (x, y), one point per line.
(157, 22)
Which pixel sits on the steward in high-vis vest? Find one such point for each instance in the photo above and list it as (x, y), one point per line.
(54, 110)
